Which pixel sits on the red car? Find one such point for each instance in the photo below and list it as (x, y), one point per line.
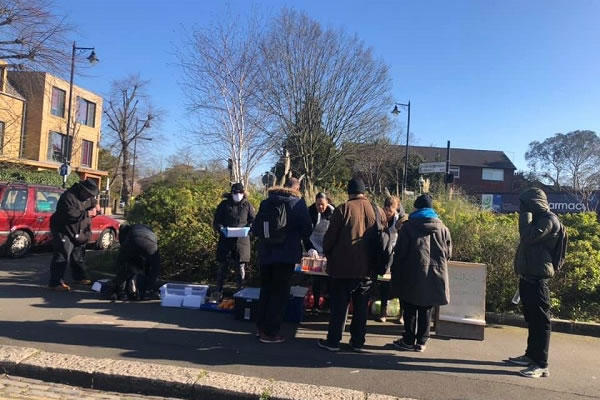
(25, 211)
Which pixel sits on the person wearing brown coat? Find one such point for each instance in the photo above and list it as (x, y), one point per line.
(349, 264)
(420, 271)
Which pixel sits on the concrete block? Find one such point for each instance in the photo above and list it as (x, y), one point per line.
(60, 368)
(151, 379)
(12, 355)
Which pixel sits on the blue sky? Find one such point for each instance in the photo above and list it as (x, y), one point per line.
(484, 74)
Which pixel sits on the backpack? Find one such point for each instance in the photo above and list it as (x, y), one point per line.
(559, 252)
(380, 240)
(271, 221)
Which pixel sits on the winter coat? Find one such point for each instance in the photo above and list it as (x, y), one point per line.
(233, 215)
(320, 224)
(298, 229)
(420, 266)
(71, 216)
(346, 244)
(538, 228)
(393, 227)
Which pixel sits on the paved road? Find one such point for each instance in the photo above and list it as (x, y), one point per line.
(12, 388)
(80, 323)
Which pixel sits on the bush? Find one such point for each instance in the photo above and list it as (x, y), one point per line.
(12, 173)
(492, 239)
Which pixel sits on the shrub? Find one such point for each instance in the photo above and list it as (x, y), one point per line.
(11, 173)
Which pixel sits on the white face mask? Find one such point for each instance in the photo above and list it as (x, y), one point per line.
(238, 197)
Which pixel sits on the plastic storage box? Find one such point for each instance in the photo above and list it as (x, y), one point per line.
(246, 304)
(235, 232)
(182, 295)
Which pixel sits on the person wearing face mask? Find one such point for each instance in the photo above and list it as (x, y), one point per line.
(235, 211)
(320, 213)
(71, 228)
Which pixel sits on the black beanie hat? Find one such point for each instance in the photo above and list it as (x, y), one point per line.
(237, 187)
(356, 186)
(424, 201)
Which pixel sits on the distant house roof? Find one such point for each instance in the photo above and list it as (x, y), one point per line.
(465, 157)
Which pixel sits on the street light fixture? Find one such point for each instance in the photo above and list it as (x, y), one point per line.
(396, 111)
(92, 59)
(146, 126)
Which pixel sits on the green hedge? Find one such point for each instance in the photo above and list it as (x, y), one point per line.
(11, 173)
(182, 217)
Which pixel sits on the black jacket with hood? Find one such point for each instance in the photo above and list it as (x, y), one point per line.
(234, 215)
(71, 215)
(538, 229)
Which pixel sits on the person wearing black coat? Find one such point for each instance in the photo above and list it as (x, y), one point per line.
(235, 211)
(71, 228)
(138, 253)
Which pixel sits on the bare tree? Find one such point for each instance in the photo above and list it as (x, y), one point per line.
(32, 36)
(573, 160)
(220, 68)
(322, 82)
(129, 115)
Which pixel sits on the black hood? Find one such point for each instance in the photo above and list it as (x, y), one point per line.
(536, 201)
(426, 225)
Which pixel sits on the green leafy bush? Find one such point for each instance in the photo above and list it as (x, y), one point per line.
(11, 173)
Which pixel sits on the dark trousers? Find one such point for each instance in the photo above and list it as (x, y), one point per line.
(223, 269)
(341, 292)
(385, 289)
(66, 253)
(134, 258)
(536, 305)
(417, 323)
(274, 294)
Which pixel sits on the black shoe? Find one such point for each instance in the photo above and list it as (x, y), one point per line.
(402, 345)
(358, 349)
(150, 295)
(322, 343)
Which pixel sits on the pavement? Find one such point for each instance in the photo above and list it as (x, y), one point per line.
(78, 323)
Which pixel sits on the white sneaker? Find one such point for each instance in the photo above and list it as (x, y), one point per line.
(535, 371)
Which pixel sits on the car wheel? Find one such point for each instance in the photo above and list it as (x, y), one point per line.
(19, 244)
(106, 239)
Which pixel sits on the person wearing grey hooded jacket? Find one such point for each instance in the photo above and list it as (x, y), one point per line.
(538, 230)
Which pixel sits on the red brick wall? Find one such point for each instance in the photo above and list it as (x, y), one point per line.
(470, 181)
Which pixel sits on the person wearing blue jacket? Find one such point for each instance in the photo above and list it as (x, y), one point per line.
(277, 261)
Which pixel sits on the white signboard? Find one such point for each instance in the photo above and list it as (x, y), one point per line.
(432, 167)
(467, 294)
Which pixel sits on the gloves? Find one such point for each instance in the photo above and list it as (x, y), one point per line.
(312, 253)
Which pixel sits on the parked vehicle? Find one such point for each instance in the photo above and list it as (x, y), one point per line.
(25, 211)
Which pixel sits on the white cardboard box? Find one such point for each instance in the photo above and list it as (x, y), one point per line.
(182, 295)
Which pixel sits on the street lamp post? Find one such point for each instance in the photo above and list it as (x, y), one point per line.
(92, 59)
(146, 125)
(396, 111)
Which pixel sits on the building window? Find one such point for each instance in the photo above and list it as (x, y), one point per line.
(455, 171)
(86, 112)
(87, 149)
(58, 102)
(57, 143)
(1, 137)
(492, 174)
(14, 200)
